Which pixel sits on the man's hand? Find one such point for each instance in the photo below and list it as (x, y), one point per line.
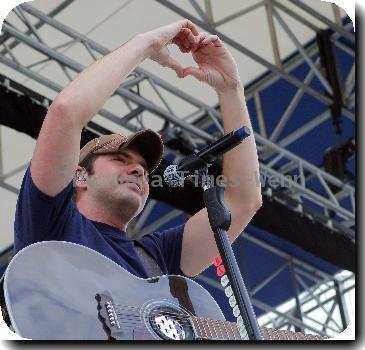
(216, 65)
(182, 33)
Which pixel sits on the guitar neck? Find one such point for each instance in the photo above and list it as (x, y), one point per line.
(225, 330)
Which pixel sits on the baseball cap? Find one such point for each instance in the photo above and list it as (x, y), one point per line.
(147, 142)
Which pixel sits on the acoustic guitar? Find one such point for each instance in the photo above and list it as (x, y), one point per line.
(63, 291)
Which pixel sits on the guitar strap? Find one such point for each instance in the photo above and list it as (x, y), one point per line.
(178, 285)
(150, 265)
(179, 289)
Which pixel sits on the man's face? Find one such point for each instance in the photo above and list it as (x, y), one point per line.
(120, 181)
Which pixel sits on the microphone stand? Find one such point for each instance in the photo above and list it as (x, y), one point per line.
(220, 221)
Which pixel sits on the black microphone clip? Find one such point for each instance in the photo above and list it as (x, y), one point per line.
(174, 175)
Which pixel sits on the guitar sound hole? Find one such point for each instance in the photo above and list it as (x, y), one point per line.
(171, 323)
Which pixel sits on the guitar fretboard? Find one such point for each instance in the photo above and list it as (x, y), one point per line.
(215, 329)
(223, 330)
(279, 334)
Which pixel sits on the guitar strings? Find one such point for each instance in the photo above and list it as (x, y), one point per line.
(137, 309)
(136, 314)
(134, 318)
(139, 325)
(127, 311)
(174, 315)
(135, 325)
(138, 317)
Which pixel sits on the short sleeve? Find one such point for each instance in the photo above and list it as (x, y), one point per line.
(166, 246)
(40, 217)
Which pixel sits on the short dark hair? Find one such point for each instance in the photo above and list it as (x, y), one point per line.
(88, 165)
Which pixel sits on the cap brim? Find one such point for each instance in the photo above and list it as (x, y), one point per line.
(149, 144)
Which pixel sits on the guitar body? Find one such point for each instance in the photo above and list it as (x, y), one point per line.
(60, 290)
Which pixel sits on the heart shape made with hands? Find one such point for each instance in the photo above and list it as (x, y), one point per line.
(187, 42)
(216, 66)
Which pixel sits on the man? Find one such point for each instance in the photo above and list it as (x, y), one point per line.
(111, 172)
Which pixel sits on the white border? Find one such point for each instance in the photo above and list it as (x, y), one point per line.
(7, 5)
(5, 333)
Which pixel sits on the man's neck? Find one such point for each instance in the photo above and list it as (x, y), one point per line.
(102, 215)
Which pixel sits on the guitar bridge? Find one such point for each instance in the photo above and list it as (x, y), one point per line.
(107, 314)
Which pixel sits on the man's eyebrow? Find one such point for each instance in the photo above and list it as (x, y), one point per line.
(127, 155)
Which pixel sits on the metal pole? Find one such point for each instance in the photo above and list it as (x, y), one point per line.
(326, 100)
(121, 91)
(298, 311)
(345, 319)
(38, 25)
(273, 36)
(325, 20)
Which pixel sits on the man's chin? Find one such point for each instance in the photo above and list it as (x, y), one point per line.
(132, 199)
(133, 193)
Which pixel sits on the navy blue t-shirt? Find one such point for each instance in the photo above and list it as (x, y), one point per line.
(40, 217)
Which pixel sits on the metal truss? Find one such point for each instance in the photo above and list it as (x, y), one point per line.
(320, 308)
(310, 186)
(317, 309)
(276, 160)
(10, 85)
(273, 9)
(316, 189)
(319, 305)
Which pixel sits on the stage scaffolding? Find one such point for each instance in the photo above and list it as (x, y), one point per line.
(319, 204)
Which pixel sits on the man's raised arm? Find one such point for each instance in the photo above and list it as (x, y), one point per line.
(217, 67)
(57, 150)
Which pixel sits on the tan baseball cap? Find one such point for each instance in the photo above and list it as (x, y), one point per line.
(147, 142)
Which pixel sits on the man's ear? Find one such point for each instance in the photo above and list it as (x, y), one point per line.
(81, 177)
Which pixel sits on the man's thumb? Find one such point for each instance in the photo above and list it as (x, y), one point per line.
(195, 72)
(173, 64)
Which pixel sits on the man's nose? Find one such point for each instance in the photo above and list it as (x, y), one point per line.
(136, 169)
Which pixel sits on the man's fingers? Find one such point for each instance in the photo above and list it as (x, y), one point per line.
(193, 40)
(217, 42)
(202, 36)
(191, 26)
(186, 43)
(184, 38)
(209, 39)
(188, 39)
(178, 43)
(206, 39)
(173, 64)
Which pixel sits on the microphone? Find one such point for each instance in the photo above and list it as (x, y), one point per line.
(203, 158)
